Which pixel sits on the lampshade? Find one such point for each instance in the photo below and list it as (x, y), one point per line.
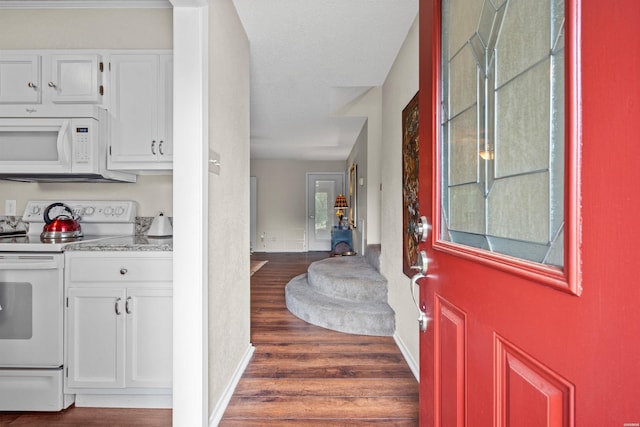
(341, 202)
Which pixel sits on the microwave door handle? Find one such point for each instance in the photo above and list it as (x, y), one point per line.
(64, 142)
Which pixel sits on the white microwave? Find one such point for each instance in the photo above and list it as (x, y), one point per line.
(56, 145)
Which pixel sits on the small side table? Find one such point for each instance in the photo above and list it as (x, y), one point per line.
(339, 236)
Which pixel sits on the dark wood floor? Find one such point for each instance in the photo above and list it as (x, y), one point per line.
(89, 417)
(300, 375)
(305, 375)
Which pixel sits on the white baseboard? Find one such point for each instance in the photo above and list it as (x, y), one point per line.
(221, 406)
(155, 401)
(415, 367)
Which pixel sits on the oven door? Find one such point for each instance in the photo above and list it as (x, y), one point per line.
(31, 310)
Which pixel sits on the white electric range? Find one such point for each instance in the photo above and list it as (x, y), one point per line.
(32, 301)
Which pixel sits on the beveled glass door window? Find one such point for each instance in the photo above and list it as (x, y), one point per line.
(502, 136)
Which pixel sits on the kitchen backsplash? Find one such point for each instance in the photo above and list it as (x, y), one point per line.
(144, 222)
(15, 223)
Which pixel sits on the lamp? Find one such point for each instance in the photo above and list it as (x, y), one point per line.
(340, 205)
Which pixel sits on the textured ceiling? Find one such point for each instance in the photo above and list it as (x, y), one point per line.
(309, 59)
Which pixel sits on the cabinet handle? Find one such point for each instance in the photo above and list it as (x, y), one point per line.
(32, 85)
(127, 305)
(53, 85)
(123, 271)
(160, 148)
(153, 147)
(118, 312)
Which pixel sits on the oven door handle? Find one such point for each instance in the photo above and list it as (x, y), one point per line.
(29, 263)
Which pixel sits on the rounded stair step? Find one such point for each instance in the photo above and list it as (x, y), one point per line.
(354, 316)
(350, 278)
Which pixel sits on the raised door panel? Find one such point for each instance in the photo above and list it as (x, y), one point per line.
(528, 394)
(149, 337)
(75, 79)
(134, 110)
(20, 79)
(95, 334)
(451, 360)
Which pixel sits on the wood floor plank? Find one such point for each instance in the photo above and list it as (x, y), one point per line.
(326, 422)
(349, 387)
(330, 347)
(89, 417)
(319, 407)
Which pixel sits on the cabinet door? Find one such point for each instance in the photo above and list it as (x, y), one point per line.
(134, 109)
(96, 339)
(149, 337)
(20, 79)
(165, 109)
(75, 79)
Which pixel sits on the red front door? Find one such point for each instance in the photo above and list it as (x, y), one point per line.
(514, 343)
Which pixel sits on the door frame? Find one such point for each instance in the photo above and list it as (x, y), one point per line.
(307, 207)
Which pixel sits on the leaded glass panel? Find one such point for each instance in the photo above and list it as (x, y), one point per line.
(503, 127)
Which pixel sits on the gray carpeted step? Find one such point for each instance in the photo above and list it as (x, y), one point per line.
(354, 317)
(351, 278)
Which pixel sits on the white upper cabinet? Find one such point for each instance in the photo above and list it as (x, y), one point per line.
(76, 79)
(20, 79)
(48, 78)
(141, 105)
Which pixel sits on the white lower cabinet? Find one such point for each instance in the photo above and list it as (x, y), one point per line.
(119, 325)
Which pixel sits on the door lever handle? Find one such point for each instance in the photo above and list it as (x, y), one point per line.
(422, 316)
(422, 266)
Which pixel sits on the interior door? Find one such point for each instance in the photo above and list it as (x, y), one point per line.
(531, 315)
(322, 189)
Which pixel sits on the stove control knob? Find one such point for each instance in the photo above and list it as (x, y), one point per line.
(35, 210)
(119, 210)
(108, 211)
(89, 210)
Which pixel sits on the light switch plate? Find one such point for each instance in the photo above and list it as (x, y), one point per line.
(214, 162)
(10, 207)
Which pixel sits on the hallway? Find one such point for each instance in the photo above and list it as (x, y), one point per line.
(301, 374)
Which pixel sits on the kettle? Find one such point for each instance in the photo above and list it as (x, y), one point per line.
(160, 227)
(64, 226)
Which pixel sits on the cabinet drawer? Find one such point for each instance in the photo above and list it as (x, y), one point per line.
(120, 270)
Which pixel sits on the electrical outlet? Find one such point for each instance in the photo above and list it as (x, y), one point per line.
(10, 207)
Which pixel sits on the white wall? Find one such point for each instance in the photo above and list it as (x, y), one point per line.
(358, 156)
(229, 316)
(399, 88)
(282, 192)
(86, 29)
(152, 192)
(89, 29)
(368, 105)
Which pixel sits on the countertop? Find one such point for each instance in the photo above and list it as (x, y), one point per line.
(136, 243)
